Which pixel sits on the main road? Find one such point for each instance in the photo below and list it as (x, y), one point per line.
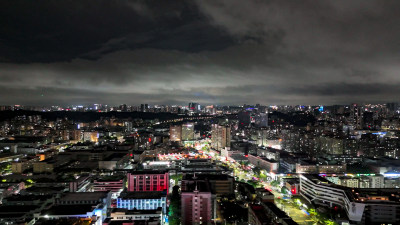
(299, 216)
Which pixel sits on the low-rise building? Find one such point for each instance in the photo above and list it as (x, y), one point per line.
(148, 181)
(271, 166)
(150, 216)
(143, 200)
(115, 186)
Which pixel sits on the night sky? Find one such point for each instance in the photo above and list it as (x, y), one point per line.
(209, 51)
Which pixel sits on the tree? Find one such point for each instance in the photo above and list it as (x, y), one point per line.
(256, 171)
(176, 177)
(174, 214)
(312, 211)
(329, 222)
(274, 183)
(284, 190)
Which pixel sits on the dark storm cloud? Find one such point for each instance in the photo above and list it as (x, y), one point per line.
(213, 52)
(49, 31)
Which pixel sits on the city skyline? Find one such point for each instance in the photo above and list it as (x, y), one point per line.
(173, 52)
(191, 112)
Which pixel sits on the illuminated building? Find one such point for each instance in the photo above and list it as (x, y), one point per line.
(198, 204)
(91, 205)
(133, 216)
(43, 167)
(80, 185)
(270, 165)
(220, 136)
(20, 166)
(377, 181)
(143, 200)
(362, 206)
(147, 181)
(91, 136)
(77, 135)
(187, 131)
(269, 153)
(114, 186)
(158, 165)
(261, 120)
(356, 115)
(194, 107)
(210, 109)
(175, 133)
(306, 166)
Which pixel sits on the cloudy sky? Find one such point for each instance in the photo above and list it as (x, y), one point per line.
(208, 51)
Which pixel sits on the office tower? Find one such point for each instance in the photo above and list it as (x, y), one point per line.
(187, 131)
(220, 136)
(175, 133)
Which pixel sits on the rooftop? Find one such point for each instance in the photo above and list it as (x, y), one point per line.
(143, 195)
(136, 211)
(161, 172)
(69, 210)
(84, 196)
(260, 212)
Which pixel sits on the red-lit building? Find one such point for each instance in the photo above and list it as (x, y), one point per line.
(148, 181)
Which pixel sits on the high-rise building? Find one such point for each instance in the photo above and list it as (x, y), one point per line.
(123, 108)
(392, 106)
(175, 133)
(198, 205)
(220, 136)
(261, 120)
(377, 181)
(187, 131)
(194, 107)
(244, 119)
(210, 109)
(144, 107)
(356, 115)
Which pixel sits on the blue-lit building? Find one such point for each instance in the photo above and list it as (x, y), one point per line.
(143, 200)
